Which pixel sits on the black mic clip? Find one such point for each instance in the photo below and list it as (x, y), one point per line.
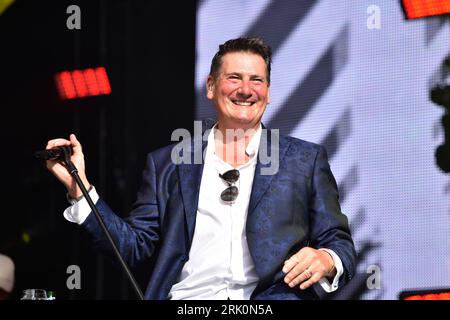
(59, 153)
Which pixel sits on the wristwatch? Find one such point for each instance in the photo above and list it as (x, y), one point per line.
(72, 201)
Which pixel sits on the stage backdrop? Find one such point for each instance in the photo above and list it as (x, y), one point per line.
(355, 77)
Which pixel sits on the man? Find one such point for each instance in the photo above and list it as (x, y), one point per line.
(222, 229)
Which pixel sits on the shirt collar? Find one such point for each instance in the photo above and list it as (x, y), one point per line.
(252, 147)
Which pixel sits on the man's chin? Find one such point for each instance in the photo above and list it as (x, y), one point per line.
(243, 122)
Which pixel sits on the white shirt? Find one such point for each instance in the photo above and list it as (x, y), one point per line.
(219, 265)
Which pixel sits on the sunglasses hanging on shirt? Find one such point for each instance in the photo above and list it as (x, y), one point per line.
(231, 193)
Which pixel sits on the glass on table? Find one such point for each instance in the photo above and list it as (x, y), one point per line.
(34, 294)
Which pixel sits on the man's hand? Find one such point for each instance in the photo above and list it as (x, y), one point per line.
(60, 172)
(307, 267)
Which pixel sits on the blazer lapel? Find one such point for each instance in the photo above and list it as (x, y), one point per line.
(261, 182)
(190, 175)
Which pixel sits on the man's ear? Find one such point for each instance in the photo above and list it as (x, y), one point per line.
(210, 87)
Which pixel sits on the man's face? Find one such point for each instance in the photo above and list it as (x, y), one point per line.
(241, 91)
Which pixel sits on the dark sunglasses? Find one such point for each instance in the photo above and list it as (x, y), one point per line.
(231, 193)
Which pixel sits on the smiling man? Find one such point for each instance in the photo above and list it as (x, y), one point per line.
(239, 87)
(223, 229)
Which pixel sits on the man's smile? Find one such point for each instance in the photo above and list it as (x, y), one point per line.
(242, 102)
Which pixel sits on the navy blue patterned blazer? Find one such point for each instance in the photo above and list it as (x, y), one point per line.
(296, 207)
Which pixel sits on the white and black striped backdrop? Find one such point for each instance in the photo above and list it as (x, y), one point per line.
(360, 88)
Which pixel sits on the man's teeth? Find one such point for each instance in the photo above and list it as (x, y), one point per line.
(243, 103)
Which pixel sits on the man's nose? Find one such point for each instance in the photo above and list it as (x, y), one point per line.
(245, 89)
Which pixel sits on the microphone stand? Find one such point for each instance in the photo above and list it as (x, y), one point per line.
(74, 172)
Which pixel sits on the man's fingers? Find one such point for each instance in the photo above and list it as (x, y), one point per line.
(289, 264)
(314, 278)
(301, 275)
(57, 143)
(295, 259)
(292, 282)
(76, 145)
(296, 270)
(304, 268)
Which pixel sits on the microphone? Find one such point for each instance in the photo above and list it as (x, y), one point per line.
(64, 153)
(58, 153)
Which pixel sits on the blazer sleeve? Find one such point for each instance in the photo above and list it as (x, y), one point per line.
(137, 235)
(328, 225)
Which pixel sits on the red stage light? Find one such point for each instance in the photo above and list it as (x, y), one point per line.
(431, 296)
(91, 82)
(80, 84)
(425, 8)
(83, 83)
(102, 80)
(65, 85)
(440, 294)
